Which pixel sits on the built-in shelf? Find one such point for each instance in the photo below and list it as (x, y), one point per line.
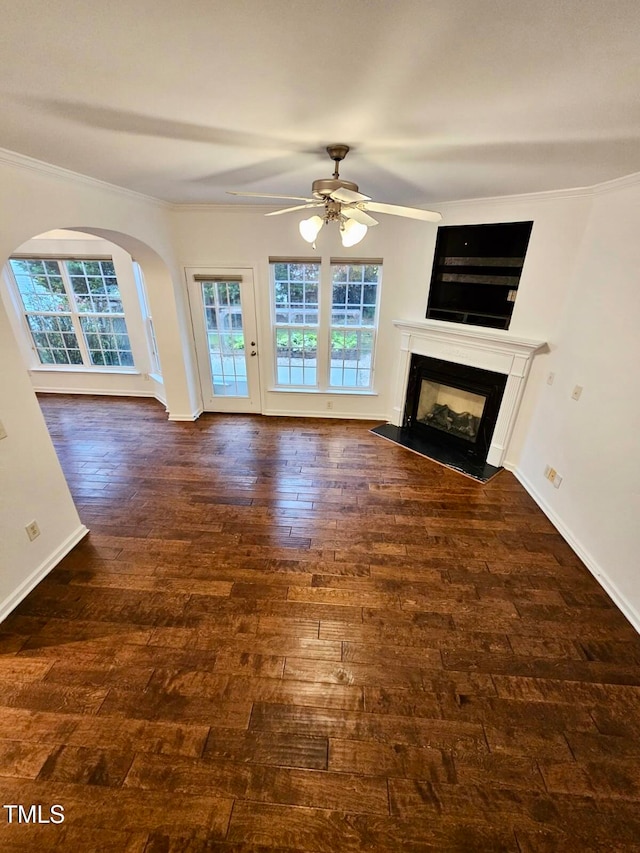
(476, 273)
(482, 262)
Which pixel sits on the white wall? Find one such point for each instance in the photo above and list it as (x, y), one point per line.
(594, 443)
(32, 486)
(559, 222)
(579, 292)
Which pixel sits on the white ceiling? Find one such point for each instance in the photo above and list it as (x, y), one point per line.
(439, 99)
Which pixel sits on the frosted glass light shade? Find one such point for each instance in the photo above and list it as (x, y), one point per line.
(309, 228)
(352, 232)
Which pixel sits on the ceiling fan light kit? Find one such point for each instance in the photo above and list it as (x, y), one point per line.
(343, 203)
(309, 228)
(351, 232)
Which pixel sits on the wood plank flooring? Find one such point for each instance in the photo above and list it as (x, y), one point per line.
(291, 635)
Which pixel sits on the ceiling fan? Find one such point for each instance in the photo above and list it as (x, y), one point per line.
(342, 203)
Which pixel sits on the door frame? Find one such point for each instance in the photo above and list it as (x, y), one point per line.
(252, 404)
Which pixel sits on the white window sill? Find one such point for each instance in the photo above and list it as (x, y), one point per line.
(67, 368)
(334, 392)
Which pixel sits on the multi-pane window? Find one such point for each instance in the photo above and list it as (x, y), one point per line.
(296, 289)
(73, 310)
(354, 305)
(325, 332)
(152, 344)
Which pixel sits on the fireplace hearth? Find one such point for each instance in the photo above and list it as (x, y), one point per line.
(448, 456)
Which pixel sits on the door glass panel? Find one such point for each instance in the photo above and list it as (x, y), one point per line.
(225, 337)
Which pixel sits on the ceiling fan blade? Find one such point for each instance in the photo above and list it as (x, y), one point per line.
(398, 210)
(348, 196)
(268, 195)
(291, 209)
(359, 216)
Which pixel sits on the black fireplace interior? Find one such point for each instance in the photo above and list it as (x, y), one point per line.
(450, 414)
(453, 403)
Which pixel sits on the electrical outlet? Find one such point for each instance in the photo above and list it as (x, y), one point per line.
(550, 377)
(575, 394)
(329, 404)
(552, 476)
(3, 432)
(33, 531)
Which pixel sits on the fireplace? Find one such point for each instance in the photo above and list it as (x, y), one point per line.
(458, 391)
(453, 404)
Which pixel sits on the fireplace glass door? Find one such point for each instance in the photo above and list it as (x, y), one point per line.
(453, 405)
(450, 410)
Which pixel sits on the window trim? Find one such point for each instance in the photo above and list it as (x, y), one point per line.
(147, 319)
(323, 328)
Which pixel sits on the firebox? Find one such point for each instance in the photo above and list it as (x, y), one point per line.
(453, 404)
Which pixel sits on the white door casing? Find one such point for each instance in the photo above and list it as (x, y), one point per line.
(223, 316)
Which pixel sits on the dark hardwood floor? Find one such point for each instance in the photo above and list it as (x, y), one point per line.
(291, 635)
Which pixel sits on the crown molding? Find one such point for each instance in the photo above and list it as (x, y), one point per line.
(527, 198)
(614, 185)
(12, 158)
(624, 183)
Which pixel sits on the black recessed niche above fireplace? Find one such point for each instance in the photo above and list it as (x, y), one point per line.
(476, 273)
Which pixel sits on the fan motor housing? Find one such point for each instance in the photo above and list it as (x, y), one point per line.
(323, 187)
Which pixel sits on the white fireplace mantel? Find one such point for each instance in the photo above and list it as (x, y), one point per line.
(488, 349)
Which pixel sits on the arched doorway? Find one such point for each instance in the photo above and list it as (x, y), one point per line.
(156, 316)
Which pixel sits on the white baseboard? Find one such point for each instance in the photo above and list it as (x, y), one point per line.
(324, 413)
(14, 599)
(94, 392)
(628, 610)
(191, 416)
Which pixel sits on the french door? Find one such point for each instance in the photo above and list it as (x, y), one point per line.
(223, 316)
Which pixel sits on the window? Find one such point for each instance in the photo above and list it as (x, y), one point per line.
(353, 323)
(152, 344)
(73, 311)
(296, 289)
(325, 332)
